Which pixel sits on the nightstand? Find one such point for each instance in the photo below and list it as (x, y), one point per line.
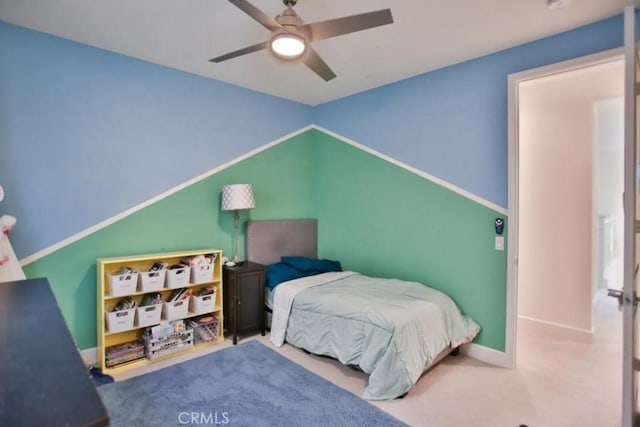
(244, 298)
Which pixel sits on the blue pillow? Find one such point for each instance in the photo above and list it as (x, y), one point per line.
(314, 266)
(280, 272)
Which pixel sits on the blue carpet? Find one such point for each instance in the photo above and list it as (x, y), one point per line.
(245, 385)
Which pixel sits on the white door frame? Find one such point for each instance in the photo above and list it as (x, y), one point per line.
(628, 298)
(513, 166)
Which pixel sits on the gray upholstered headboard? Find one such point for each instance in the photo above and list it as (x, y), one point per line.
(267, 241)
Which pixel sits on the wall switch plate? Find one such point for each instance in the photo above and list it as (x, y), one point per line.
(499, 243)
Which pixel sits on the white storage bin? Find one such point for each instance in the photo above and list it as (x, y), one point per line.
(149, 315)
(151, 280)
(176, 310)
(118, 321)
(164, 346)
(201, 273)
(178, 277)
(203, 304)
(122, 284)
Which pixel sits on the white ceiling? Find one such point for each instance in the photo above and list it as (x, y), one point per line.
(425, 35)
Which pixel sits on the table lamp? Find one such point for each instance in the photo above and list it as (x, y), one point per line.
(236, 197)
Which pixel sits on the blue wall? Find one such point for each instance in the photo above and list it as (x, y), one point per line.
(452, 123)
(86, 134)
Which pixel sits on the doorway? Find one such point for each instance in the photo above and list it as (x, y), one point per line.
(560, 183)
(608, 191)
(570, 194)
(566, 171)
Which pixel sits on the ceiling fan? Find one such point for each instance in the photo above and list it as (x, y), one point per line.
(291, 38)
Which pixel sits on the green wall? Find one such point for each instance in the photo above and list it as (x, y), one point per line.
(375, 217)
(382, 220)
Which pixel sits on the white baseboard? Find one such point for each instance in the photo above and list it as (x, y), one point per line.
(90, 356)
(557, 329)
(475, 351)
(485, 354)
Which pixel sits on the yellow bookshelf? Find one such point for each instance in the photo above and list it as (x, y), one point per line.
(117, 328)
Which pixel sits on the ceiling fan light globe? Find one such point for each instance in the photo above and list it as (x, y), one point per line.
(288, 45)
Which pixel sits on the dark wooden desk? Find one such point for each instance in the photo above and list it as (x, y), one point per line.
(43, 380)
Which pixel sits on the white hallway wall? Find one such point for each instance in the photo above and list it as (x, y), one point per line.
(556, 196)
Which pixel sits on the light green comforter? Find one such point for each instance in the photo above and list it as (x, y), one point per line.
(391, 329)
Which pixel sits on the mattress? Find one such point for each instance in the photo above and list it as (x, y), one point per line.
(268, 298)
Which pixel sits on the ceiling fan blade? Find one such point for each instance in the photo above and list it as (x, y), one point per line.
(240, 52)
(349, 24)
(313, 61)
(263, 19)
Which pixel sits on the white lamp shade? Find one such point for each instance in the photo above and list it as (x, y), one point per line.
(237, 196)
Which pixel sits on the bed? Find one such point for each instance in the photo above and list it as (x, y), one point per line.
(393, 330)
